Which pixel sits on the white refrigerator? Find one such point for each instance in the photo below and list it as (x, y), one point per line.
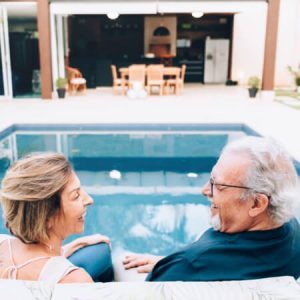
(216, 60)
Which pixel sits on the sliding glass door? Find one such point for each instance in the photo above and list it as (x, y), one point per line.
(5, 67)
(59, 45)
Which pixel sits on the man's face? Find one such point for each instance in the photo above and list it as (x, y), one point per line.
(228, 212)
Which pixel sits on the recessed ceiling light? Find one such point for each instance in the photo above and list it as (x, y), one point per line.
(113, 15)
(197, 14)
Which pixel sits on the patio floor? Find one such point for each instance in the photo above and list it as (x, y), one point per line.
(198, 104)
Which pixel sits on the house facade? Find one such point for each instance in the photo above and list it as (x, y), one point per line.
(231, 41)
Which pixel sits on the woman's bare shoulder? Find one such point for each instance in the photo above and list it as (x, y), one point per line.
(78, 275)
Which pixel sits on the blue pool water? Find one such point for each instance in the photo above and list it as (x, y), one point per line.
(156, 205)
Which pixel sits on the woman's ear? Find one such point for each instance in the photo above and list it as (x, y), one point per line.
(50, 223)
(260, 205)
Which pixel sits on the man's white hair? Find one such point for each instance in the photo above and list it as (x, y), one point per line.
(271, 172)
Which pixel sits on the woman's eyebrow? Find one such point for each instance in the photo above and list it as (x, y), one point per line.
(76, 189)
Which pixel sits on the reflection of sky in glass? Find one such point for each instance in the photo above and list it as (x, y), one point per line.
(153, 206)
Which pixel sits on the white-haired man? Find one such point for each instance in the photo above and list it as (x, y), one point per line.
(253, 190)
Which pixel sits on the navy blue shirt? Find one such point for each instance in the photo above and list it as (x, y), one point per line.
(237, 256)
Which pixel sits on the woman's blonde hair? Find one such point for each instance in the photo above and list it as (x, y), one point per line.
(30, 195)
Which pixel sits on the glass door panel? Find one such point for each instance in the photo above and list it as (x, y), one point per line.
(1, 73)
(5, 69)
(24, 50)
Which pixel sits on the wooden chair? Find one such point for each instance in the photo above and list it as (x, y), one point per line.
(117, 82)
(177, 83)
(136, 73)
(155, 77)
(76, 82)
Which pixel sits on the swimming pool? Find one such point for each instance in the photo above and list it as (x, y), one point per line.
(145, 179)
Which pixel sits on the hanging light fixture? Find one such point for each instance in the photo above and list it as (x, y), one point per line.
(197, 14)
(112, 15)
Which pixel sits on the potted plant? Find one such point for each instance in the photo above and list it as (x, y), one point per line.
(253, 86)
(296, 77)
(61, 84)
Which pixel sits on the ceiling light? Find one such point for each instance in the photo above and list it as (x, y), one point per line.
(113, 15)
(197, 14)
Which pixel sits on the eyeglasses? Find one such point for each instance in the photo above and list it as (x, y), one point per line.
(212, 184)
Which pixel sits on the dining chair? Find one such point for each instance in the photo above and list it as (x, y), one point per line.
(117, 82)
(136, 73)
(155, 77)
(177, 83)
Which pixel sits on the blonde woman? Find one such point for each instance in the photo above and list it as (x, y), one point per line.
(43, 203)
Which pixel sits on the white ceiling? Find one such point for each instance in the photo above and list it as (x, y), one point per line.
(20, 9)
(29, 9)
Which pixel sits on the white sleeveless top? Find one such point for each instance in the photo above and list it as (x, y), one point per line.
(55, 269)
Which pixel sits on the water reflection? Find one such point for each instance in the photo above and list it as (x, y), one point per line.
(145, 224)
(146, 199)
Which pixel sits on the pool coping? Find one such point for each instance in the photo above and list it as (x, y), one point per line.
(138, 127)
(129, 126)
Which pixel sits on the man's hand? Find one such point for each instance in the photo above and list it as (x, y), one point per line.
(143, 263)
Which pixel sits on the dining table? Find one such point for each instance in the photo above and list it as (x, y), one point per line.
(168, 72)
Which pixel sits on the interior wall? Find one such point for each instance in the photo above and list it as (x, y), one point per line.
(249, 42)
(288, 42)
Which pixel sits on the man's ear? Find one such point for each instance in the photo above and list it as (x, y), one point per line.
(260, 205)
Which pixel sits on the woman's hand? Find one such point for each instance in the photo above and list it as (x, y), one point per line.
(143, 263)
(94, 239)
(83, 241)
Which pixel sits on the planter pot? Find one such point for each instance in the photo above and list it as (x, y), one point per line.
(61, 93)
(298, 89)
(252, 92)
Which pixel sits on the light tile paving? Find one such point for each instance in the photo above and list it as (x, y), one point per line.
(198, 104)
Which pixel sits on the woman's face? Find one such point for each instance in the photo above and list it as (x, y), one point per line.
(73, 207)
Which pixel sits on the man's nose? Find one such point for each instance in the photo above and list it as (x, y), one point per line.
(206, 191)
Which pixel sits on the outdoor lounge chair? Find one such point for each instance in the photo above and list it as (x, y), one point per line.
(267, 288)
(76, 82)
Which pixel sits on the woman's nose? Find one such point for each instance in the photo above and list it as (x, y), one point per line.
(88, 200)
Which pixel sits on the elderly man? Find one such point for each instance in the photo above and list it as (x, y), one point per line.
(253, 192)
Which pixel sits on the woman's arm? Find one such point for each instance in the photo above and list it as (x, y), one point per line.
(81, 242)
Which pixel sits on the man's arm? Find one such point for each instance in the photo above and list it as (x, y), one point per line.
(172, 268)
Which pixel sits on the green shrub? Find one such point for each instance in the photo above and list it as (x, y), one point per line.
(61, 82)
(254, 82)
(296, 75)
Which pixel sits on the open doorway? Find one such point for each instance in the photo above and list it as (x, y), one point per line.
(96, 42)
(192, 36)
